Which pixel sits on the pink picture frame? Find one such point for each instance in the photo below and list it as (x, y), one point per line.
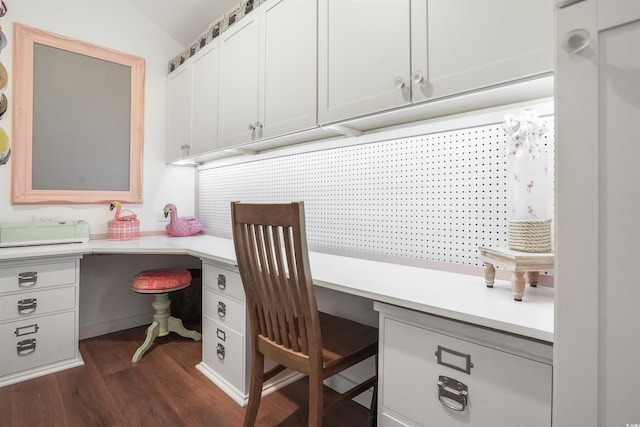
(22, 191)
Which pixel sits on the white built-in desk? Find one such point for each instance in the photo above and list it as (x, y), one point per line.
(457, 296)
(436, 294)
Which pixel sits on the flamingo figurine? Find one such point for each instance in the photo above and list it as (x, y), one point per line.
(180, 226)
(119, 216)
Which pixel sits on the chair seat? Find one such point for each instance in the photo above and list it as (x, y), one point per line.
(344, 339)
(161, 280)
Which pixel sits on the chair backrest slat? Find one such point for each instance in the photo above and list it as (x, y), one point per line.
(272, 257)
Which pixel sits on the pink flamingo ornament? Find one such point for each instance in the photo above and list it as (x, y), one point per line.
(180, 226)
(119, 216)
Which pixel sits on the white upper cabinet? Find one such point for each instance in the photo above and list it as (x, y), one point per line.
(462, 45)
(363, 57)
(381, 54)
(269, 68)
(239, 79)
(204, 132)
(288, 66)
(192, 111)
(178, 112)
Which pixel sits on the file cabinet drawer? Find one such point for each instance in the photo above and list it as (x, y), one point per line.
(223, 352)
(37, 276)
(228, 312)
(435, 371)
(223, 281)
(31, 343)
(36, 303)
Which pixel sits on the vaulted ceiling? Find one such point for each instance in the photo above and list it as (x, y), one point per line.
(184, 20)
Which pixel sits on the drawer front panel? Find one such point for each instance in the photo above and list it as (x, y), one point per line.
(226, 311)
(223, 351)
(35, 342)
(223, 281)
(503, 389)
(31, 304)
(37, 276)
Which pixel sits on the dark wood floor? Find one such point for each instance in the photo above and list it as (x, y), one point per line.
(163, 389)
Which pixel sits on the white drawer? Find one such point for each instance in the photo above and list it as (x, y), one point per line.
(226, 282)
(503, 389)
(223, 351)
(36, 303)
(27, 344)
(227, 311)
(37, 276)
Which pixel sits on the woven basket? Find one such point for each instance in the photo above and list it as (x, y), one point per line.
(123, 230)
(529, 235)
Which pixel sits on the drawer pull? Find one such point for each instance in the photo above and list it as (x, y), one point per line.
(222, 282)
(222, 309)
(450, 390)
(27, 305)
(26, 330)
(26, 347)
(454, 359)
(221, 335)
(27, 279)
(220, 351)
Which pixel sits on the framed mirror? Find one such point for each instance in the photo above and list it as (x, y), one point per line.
(78, 121)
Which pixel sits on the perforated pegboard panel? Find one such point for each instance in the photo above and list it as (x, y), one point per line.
(435, 197)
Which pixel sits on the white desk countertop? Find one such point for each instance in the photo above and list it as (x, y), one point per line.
(453, 295)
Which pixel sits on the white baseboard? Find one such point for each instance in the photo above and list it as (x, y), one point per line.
(281, 380)
(39, 372)
(115, 325)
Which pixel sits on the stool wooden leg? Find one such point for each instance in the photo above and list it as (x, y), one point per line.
(533, 278)
(489, 274)
(517, 285)
(175, 325)
(152, 333)
(161, 304)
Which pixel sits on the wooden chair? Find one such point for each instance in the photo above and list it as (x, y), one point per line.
(272, 256)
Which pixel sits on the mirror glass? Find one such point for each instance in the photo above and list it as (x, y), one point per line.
(77, 121)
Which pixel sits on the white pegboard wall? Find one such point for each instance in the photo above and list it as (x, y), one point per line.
(434, 197)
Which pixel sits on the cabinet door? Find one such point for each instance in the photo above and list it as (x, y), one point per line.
(239, 68)
(364, 57)
(204, 131)
(178, 113)
(288, 66)
(463, 45)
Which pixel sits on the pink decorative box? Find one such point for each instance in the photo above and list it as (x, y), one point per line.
(123, 230)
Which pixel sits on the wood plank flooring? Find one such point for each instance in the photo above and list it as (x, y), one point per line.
(163, 389)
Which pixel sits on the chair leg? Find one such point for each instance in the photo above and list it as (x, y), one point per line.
(152, 333)
(316, 404)
(255, 389)
(175, 325)
(373, 410)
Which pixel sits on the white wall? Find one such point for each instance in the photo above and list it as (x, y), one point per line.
(113, 24)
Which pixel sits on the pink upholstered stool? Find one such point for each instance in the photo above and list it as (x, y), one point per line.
(161, 282)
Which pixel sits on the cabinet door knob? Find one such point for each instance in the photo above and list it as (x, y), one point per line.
(398, 82)
(259, 129)
(576, 40)
(417, 77)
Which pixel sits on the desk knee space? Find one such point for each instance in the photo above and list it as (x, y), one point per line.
(519, 262)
